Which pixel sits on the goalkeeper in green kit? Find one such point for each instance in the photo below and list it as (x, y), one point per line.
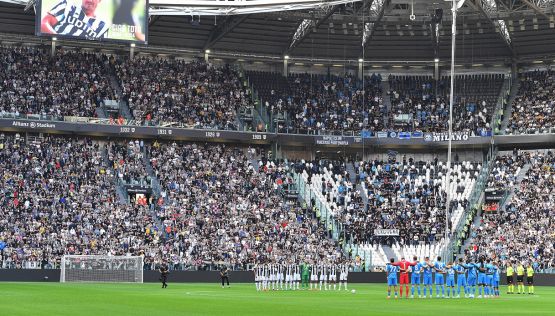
(305, 275)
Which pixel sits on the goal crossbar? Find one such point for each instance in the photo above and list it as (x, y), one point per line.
(91, 268)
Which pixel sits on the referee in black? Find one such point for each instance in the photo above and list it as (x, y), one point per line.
(164, 271)
(224, 274)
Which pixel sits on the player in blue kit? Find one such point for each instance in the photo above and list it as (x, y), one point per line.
(471, 278)
(391, 272)
(490, 269)
(415, 277)
(428, 269)
(439, 268)
(450, 282)
(461, 278)
(481, 277)
(496, 279)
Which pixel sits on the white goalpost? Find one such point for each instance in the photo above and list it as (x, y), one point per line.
(117, 269)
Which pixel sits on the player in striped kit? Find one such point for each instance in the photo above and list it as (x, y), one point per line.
(264, 277)
(71, 19)
(258, 276)
(333, 276)
(323, 277)
(274, 276)
(280, 277)
(314, 277)
(343, 274)
(289, 277)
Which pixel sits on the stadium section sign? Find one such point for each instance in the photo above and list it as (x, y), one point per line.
(134, 131)
(337, 140)
(116, 20)
(86, 126)
(386, 232)
(442, 137)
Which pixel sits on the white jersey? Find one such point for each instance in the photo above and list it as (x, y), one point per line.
(323, 273)
(280, 272)
(344, 272)
(333, 272)
(273, 272)
(258, 273)
(72, 21)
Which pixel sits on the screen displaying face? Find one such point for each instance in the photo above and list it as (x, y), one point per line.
(118, 20)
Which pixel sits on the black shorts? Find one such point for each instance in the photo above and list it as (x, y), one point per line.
(510, 280)
(530, 280)
(520, 278)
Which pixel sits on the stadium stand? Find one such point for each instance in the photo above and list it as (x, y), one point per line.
(183, 93)
(406, 195)
(312, 104)
(532, 111)
(228, 209)
(522, 230)
(68, 84)
(58, 197)
(420, 103)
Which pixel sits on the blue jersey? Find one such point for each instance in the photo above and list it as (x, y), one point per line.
(472, 269)
(496, 274)
(416, 268)
(439, 266)
(451, 272)
(481, 268)
(427, 270)
(460, 269)
(490, 269)
(391, 271)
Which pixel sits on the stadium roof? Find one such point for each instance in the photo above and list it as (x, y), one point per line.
(488, 30)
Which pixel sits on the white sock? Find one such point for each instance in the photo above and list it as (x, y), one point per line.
(345, 285)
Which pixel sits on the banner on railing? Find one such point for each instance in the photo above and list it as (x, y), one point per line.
(440, 137)
(386, 232)
(336, 140)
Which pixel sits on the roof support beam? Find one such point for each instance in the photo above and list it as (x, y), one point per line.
(224, 28)
(306, 25)
(377, 10)
(488, 8)
(535, 5)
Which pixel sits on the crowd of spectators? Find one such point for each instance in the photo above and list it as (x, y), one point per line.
(197, 94)
(127, 160)
(66, 84)
(406, 195)
(523, 231)
(219, 206)
(317, 103)
(58, 197)
(506, 169)
(419, 103)
(189, 93)
(532, 111)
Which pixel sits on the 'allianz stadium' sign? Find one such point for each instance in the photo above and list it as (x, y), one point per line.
(441, 137)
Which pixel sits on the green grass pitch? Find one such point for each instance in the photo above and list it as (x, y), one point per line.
(242, 299)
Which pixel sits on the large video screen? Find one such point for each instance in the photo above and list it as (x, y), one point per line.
(117, 20)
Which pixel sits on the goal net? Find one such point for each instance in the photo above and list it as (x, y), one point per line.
(77, 268)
